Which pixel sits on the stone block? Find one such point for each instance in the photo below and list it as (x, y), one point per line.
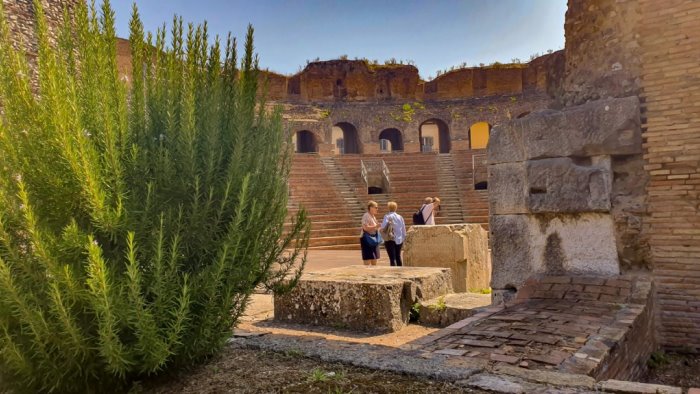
(448, 309)
(374, 299)
(561, 185)
(602, 127)
(506, 143)
(512, 255)
(507, 188)
(461, 247)
(527, 245)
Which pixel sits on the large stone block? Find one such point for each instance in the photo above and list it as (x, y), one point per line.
(461, 247)
(361, 298)
(506, 143)
(513, 257)
(561, 185)
(603, 127)
(526, 245)
(507, 188)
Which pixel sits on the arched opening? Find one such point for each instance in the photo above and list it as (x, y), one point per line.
(483, 185)
(374, 190)
(434, 136)
(479, 135)
(393, 138)
(350, 140)
(305, 142)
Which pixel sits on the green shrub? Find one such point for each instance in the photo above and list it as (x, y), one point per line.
(135, 220)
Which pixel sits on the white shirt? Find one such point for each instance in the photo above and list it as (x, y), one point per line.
(428, 216)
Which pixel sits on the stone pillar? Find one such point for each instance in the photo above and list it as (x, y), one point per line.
(553, 191)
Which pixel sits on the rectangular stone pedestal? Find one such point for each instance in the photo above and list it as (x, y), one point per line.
(359, 298)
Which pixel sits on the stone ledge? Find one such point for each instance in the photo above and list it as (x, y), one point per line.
(376, 299)
(451, 308)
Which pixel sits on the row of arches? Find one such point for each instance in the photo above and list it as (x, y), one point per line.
(434, 136)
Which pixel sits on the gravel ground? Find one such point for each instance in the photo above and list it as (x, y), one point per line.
(681, 370)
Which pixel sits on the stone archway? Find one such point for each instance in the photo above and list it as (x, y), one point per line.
(479, 135)
(305, 142)
(434, 136)
(394, 137)
(350, 142)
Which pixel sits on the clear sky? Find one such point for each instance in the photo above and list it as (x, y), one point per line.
(435, 34)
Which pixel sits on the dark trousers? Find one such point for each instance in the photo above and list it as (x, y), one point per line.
(394, 252)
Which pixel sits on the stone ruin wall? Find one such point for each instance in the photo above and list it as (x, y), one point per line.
(370, 118)
(620, 51)
(358, 81)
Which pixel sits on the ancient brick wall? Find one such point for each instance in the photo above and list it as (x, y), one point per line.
(602, 50)
(670, 43)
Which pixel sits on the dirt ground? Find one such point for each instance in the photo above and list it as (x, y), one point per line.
(256, 371)
(681, 370)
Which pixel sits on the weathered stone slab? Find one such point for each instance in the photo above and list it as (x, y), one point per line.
(603, 127)
(361, 298)
(620, 386)
(525, 245)
(562, 186)
(451, 308)
(508, 188)
(461, 247)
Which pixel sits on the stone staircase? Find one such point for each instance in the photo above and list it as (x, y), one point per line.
(333, 224)
(334, 194)
(451, 206)
(469, 169)
(347, 189)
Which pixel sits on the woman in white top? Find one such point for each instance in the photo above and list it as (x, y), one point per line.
(370, 254)
(427, 211)
(395, 228)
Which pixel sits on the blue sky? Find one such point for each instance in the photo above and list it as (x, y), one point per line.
(434, 34)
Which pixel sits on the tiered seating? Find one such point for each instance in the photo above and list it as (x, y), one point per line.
(475, 203)
(332, 226)
(413, 176)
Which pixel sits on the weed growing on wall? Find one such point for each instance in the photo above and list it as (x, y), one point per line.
(135, 220)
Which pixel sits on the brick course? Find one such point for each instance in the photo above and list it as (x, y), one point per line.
(670, 89)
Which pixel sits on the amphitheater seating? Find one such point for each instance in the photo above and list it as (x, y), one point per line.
(413, 176)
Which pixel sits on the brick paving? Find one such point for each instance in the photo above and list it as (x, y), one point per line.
(567, 324)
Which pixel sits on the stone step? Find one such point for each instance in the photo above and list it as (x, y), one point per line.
(445, 310)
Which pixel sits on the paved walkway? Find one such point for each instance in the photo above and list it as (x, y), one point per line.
(326, 259)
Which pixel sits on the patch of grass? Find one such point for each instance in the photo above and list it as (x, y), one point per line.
(414, 313)
(340, 326)
(317, 375)
(658, 359)
(486, 290)
(440, 305)
(293, 353)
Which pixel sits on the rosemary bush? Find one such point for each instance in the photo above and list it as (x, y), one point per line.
(136, 217)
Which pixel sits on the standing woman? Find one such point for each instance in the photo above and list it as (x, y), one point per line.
(370, 253)
(394, 227)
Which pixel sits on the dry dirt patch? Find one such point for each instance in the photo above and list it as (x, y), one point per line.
(257, 371)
